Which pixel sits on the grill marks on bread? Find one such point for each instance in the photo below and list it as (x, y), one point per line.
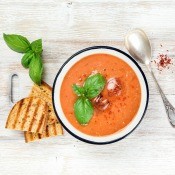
(29, 114)
(50, 131)
(35, 115)
(53, 127)
(44, 91)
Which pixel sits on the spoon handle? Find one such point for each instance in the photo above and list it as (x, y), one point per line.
(168, 106)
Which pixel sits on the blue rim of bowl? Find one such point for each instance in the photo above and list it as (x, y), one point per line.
(92, 48)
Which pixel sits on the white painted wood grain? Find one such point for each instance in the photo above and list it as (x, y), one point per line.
(66, 27)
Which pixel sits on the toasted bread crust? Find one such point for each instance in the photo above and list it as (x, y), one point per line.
(50, 131)
(44, 91)
(29, 114)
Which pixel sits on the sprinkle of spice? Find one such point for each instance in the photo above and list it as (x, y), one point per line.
(163, 61)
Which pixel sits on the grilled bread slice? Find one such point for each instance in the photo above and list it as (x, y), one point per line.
(29, 114)
(50, 131)
(44, 91)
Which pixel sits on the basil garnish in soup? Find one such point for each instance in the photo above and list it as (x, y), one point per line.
(83, 110)
(92, 87)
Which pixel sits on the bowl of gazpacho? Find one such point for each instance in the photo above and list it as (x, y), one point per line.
(100, 95)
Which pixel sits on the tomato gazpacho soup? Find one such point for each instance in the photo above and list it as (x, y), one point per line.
(106, 90)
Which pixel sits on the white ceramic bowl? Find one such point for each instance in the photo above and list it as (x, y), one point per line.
(115, 136)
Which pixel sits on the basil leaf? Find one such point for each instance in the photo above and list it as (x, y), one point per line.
(79, 90)
(83, 110)
(94, 85)
(26, 59)
(37, 46)
(36, 69)
(17, 43)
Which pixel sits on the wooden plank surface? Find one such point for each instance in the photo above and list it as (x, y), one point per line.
(66, 27)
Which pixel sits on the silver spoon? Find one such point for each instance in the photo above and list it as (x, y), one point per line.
(138, 45)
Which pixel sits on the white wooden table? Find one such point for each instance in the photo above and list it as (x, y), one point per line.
(66, 27)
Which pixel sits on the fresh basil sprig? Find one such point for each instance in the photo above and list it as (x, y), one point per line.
(83, 107)
(32, 54)
(17, 43)
(36, 69)
(26, 59)
(37, 46)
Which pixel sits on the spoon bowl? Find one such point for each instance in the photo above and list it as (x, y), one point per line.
(138, 45)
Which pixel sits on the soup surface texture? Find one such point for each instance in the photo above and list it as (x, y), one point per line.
(123, 105)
